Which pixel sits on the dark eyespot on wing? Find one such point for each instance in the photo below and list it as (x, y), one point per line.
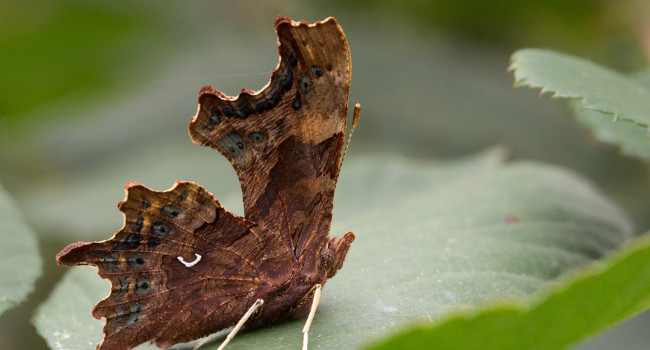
(214, 115)
(256, 137)
(131, 315)
(268, 103)
(109, 261)
(136, 261)
(228, 111)
(263, 106)
(131, 242)
(291, 56)
(214, 118)
(160, 229)
(287, 81)
(317, 71)
(142, 285)
(138, 224)
(245, 109)
(171, 211)
(233, 144)
(275, 99)
(124, 285)
(305, 83)
(152, 242)
(296, 104)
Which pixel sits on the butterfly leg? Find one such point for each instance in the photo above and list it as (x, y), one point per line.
(240, 324)
(310, 318)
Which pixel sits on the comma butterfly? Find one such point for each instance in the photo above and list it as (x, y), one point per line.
(184, 267)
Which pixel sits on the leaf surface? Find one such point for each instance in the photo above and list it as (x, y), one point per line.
(499, 233)
(605, 96)
(20, 261)
(589, 300)
(599, 88)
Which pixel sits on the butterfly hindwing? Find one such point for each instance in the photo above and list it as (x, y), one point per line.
(153, 293)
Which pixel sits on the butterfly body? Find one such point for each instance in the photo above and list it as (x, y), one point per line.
(183, 266)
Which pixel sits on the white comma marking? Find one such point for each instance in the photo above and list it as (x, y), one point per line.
(191, 263)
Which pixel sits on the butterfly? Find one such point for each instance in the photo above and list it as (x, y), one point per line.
(183, 266)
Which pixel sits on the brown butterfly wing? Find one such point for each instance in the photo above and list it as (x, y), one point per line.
(154, 296)
(285, 141)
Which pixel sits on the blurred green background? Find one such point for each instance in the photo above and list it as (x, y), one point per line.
(96, 94)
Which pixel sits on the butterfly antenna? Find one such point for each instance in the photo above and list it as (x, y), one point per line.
(355, 121)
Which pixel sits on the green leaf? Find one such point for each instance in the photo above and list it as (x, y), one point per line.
(452, 245)
(73, 297)
(631, 139)
(20, 261)
(75, 48)
(589, 300)
(371, 182)
(600, 88)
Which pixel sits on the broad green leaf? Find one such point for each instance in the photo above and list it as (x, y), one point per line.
(631, 139)
(599, 88)
(502, 233)
(589, 300)
(371, 182)
(73, 296)
(20, 261)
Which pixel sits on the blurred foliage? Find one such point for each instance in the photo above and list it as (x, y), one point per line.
(599, 88)
(605, 95)
(578, 305)
(71, 49)
(607, 30)
(20, 260)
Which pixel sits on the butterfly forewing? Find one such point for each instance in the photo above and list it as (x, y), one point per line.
(287, 139)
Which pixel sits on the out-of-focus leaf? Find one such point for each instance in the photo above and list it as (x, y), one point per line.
(588, 301)
(20, 261)
(70, 48)
(599, 88)
(631, 139)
